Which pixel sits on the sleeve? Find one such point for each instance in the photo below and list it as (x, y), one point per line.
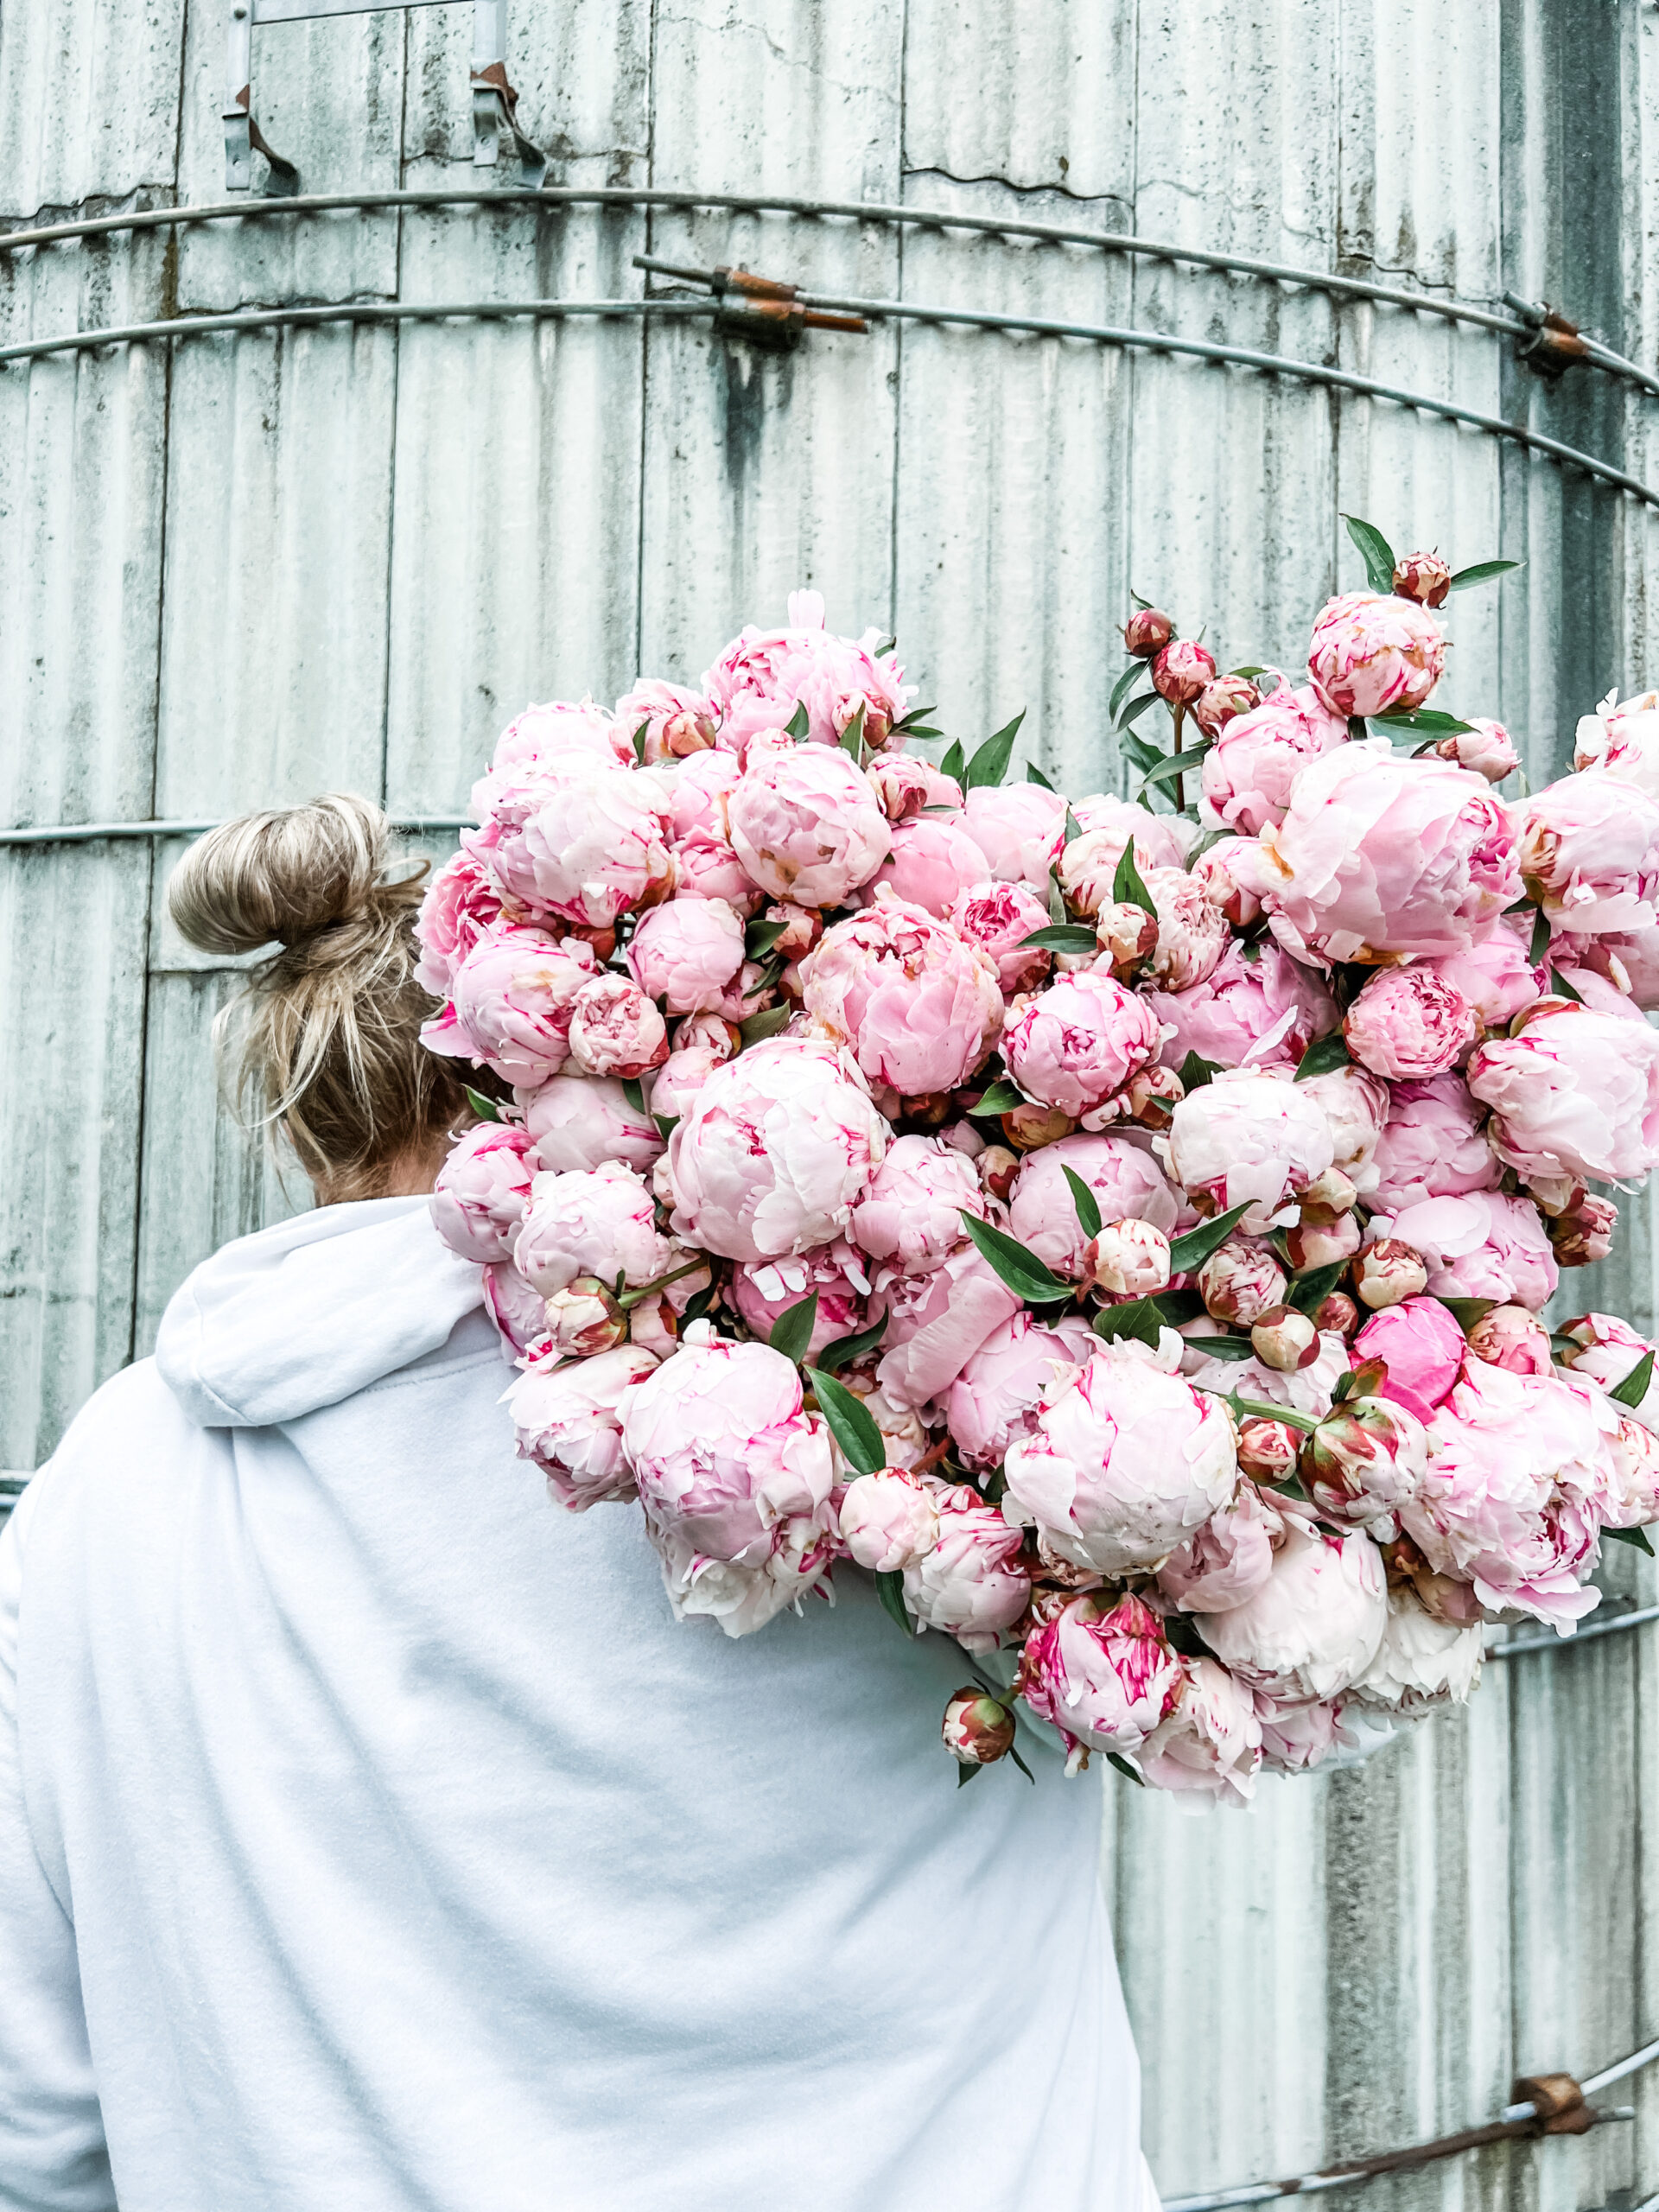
(53, 2155)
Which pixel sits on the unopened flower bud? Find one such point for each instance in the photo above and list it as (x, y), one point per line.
(888, 1522)
(1338, 1316)
(1321, 1244)
(1583, 1234)
(1284, 1339)
(801, 928)
(1365, 1459)
(1181, 672)
(1486, 747)
(1030, 1126)
(997, 1168)
(1240, 1282)
(1388, 1272)
(1222, 701)
(1328, 1197)
(584, 1319)
(1152, 1096)
(1424, 577)
(1268, 1450)
(688, 733)
(978, 1730)
(1511, 1337)
(1128, 937)
(1148, 630)
(928, 1110)
(1128, 1259)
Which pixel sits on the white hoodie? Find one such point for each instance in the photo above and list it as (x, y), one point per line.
(372, 1840)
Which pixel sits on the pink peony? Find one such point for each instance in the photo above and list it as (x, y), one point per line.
(1485, 1244)
(1303, 1389)
(909, 1214)
(543, 733)
(1191, 933)
(599, 1222)
(1409, 1024)
(1088, 866)
(1124, 1462)
(971, 1585)
(459, 905)
(1355, 1104)
(1249, 769)
(1210, 1741)
(663, 721)
(932, 863)
(888, 1522)
(1241, 1280)
(793, 1560)
(1609, 1349)
(775, 1151)
(998, 917)
(482, 1190)
(1485, 748)
(1101, 1673)
(513, 995)
(1234, 877)
(1246, 1136)
(1263, 1012)
(594, 846)
(1495, 975)
(1375, 654)
(1623, 740)
(1589, 853)
(995, 1398)
(1512, 1337)
(1365, 1461)
(697, 791)
(919, 1007)
(1315, 1624)
(1378, 855)
(721, 1448)
(1574, 1096)
(687, 952)
(1420, 1662)
(905, 783)
(1422, 1348)
(1020, 828)
(1229, 1559)
(1182, 671)
(1126, 1181)
(937, 1322)
(1432, 1145)
(568, 1418)
(705, 866)
(615, 1030)
(1076, 1045)
(764, 676)
(517, 1309)
(581, 1121)
(764, 1291)
(1222, 700)
(807, 826)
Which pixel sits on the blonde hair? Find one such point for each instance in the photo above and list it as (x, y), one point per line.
(324, 1044)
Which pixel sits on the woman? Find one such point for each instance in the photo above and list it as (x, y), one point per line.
(371, 1837)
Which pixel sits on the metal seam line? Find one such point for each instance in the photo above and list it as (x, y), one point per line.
(857, 210)
(85, 833)
(889, 310)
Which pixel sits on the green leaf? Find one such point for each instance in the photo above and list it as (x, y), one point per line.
(851, 738)
(1137, 1318)
(1636, 1536)
(1224, 1347)
(1481, 573)
(633, 1091)
(967, 1773)
(1375, 551)
(953, 764)
(1068, 936)
(1176, 763)
(1539, 944)
(846, 1351)
(1034, 775)
(1128, 889)
(1057, 913)
(1424, 721)
(1634, 1388)
(1138, 752)
(759, 937)
(1001, 1098)
(1250, 672)
(1014, 1753)
(861, 1441)
(638, 742)
(1137, 708)
(759, 1027)
(698, 1304)
(1073, 827)
(666, 1123)
(1087, 1204)
(1309, 1292)
(990, 763)
(1195, 1072)
(1017, 1265)
(1143, 604)
(800, 723)
(792, 1333)
(1323, 1054)
(768, 975)
(1191, 1250)
(890, 1589)
(1465, 1311)
(917, 714)
(1118, 1759)
(1563, 989)
(1123, 686)
(1259, 1409)
(486, 1108)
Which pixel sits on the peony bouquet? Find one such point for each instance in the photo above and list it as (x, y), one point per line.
(1119, 1226)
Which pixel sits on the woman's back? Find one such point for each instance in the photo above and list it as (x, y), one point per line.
(408, 1854)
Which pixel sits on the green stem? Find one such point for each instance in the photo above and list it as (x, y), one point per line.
(632, 1298)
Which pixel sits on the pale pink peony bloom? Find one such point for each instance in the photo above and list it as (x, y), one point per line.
(807, 826)
(1210, 1742)
(763, 1292)
(594, 846)
(1574, 1096)
(937, 1322)
(1432, 1145)
(1485, 1244)
(1623, 740)
(562, 726)
(1631, 1499)
(1485, 748)
(1495, 975)
(1123, 1464)
(1302, 1389)
(591, 1222)
(1020, 828)
(482, 1190)
(1191, 933)
(998, 917)
(575, 1121)
(459, 906)
(1594, 989)
(1512, 1337)
(775, 1151)
(1127, 1182)
(1128, 1260)
(721, 1448)
(917, 1005)
(1101, 1673)
(1234, 877)
(1088, 866)
(1249, 769)
(674, 1086)
(1315, 1624)
(764, 675)
(1297, 1738)
(1355, 1104)
(687, 952)
(905, 783)
(1226, 1562)
(1248, 1137)
(888, 1522)
(1422, 1348)
(664, 722)
(697, 791)
(1263, 1012)
(1421, 1662)
(1076, 1045)
(1409, 1024)
(1608, 1350)
(517, 1307)
(1589, 853)
(568, 1419)
(1182, 671)
(705, 866)
(615, 1030)
(1378, 855)
(1372, 653)
(1366, 1460)
(793, 1559)
(995, 1398)
(932, 863)
(909, 1214)
(513, 995)
(971, 1585)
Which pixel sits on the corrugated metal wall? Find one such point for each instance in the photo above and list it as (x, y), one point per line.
(247, 568)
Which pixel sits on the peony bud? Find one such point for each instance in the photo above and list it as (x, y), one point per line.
(1147, 631)
(1029, 1126)
(616, 1030)
(1583, 1233)
(584, 1319)
(888, 1522)
(1284, 1339)
(1485, 747)
(1222, 701)
(978, 1730)
(1364, 1460)
(1388, 1272)
(1128, 937)
(1511, 1337)
(1328, 1197)
(1128, 1259)
(997, 1167)
(1318, 1244)
(1181, 672)
(1268, 1450)
(1424, 577)
(1241, 1280)
(1151, 1096)
(1339, 1316)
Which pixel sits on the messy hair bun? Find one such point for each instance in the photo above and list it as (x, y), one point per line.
(324, 1044)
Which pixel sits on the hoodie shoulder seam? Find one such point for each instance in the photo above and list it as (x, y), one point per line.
(406, 1380)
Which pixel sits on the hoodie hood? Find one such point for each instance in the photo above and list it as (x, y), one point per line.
(303, 1314)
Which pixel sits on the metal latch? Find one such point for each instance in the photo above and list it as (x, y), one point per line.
(763, 309)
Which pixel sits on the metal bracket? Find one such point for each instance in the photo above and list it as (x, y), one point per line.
(495, 104)
(1552, 345)
(765, 311)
